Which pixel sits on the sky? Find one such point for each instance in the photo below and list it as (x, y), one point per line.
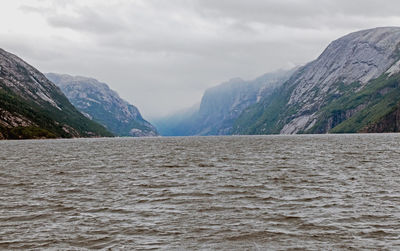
(161, 55)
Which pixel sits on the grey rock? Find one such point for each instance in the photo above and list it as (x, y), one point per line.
(98, 102)
(26, 81)
(31, 106)
(358, 57)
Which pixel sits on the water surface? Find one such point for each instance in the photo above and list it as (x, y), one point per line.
(254, 193)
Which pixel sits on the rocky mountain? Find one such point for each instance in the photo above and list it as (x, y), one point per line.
(33, 107)
(221, 105)
(98, 102)
(353, 86)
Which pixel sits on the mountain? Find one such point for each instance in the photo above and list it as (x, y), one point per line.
(98, 102)
(353, 86)
(33, 107)
(221, 105)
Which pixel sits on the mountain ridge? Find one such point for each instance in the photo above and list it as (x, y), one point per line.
(221, 105)
(98, 102)
(33, 107)
(346, 67)
(352, 86)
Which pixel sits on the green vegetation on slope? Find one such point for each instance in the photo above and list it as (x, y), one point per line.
(268, 116)
(107, 117)
(28, 132)
(261, 118)
(380, 97)
(49, 120)
(353, 111)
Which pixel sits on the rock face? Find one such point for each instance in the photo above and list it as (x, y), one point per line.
(98, 102)
(33, 107)
(388, 123)
(356, 64)
(221, 106)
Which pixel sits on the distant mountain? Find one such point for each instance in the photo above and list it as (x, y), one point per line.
(98, 102)
(353, 86)
(33, 107)
(179, 123)
(221, 106)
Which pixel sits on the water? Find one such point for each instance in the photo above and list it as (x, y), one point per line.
(243, 193)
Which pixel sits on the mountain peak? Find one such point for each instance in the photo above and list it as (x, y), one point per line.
(374, 34)
(359, 56)
(353, 73)
(102, 104)
(33, 107)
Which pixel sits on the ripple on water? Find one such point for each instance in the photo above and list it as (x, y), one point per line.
(253, 193)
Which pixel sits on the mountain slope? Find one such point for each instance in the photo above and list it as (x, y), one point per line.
(221, 106)
(340, 84)
(98, 102)
(33, 107)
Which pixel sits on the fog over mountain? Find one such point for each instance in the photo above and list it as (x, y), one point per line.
(172, 51)
(221, 105)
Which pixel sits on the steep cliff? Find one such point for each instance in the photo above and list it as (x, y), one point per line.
(98, 102)
(33, 107)
(388, 123)
(221, 105)
(343, 90)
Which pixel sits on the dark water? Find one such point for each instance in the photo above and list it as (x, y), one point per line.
(243, 193)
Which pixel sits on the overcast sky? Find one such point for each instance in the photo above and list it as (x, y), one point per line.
(161, 55)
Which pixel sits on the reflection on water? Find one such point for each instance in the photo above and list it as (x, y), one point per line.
(275, 192)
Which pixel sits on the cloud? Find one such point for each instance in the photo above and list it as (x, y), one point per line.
(304, 14)
(161, 55)
(86, 20)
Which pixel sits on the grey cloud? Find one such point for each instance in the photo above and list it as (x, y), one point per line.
(161, 55)
(305, 13)
(43, 51)
(87, 20)
(31, 9)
